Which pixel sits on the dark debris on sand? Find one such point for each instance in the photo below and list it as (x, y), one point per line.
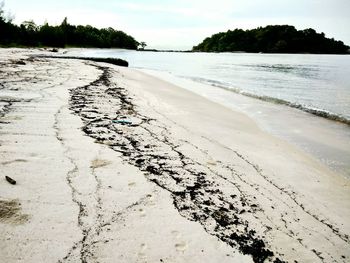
(195, 189)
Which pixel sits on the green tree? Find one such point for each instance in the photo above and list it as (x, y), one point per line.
(272, 39)
(29, 34)
(142, 45)
(30, 26)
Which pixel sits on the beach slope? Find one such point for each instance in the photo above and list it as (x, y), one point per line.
(113, 165)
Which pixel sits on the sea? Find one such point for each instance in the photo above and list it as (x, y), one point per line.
(301, 98)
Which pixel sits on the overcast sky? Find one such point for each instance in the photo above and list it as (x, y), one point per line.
(180, 24)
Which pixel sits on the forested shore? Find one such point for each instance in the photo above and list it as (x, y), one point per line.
(28, 34)
(272, 39)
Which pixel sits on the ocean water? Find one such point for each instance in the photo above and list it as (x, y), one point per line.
(319, 84)
(278, 91)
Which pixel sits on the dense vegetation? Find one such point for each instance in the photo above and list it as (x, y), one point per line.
(29, 34)
(272, 39)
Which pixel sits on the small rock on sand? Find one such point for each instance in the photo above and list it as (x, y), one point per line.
(10, 180)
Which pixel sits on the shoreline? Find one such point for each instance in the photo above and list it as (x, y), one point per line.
(156, 171)
(314, 111)
(322, 138)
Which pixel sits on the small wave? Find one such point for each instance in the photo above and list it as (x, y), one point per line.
(315, 111)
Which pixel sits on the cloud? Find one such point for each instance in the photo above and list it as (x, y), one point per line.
(181, 10)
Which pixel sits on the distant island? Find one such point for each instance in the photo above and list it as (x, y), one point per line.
(28, 34)
(272, 39)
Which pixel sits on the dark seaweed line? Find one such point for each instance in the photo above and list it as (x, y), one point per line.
(335, 231)
(74, 192)
(86, 232)
(259, 171)
(237, 175)
(79, 101)
(344, 237)
(69, 177)
(219, 219)
(90, 232)
(113, 61)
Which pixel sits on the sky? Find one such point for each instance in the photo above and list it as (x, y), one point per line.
(181, 24)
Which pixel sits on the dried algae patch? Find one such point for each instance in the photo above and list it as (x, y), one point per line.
(10, 212)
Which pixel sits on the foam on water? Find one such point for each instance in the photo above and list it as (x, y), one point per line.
(315, 111)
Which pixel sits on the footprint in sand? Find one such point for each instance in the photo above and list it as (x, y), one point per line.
(11, 212)
(212, 163)
(142, 212)
(14, 118)
(142, 252)
(176, 234)
(97, 163)
(151, 200)
(14, 161)
(182, 246)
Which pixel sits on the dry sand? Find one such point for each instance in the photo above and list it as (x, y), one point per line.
(113, 165)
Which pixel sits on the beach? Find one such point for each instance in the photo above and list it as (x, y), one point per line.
(114, 165)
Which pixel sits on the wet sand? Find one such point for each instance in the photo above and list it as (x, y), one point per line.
(112, 164)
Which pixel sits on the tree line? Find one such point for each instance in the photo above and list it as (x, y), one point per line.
(272, 39)
(63, 35)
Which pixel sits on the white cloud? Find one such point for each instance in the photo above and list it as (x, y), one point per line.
(188, 9)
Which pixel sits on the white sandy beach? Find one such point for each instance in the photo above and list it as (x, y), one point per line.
(114, 165)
